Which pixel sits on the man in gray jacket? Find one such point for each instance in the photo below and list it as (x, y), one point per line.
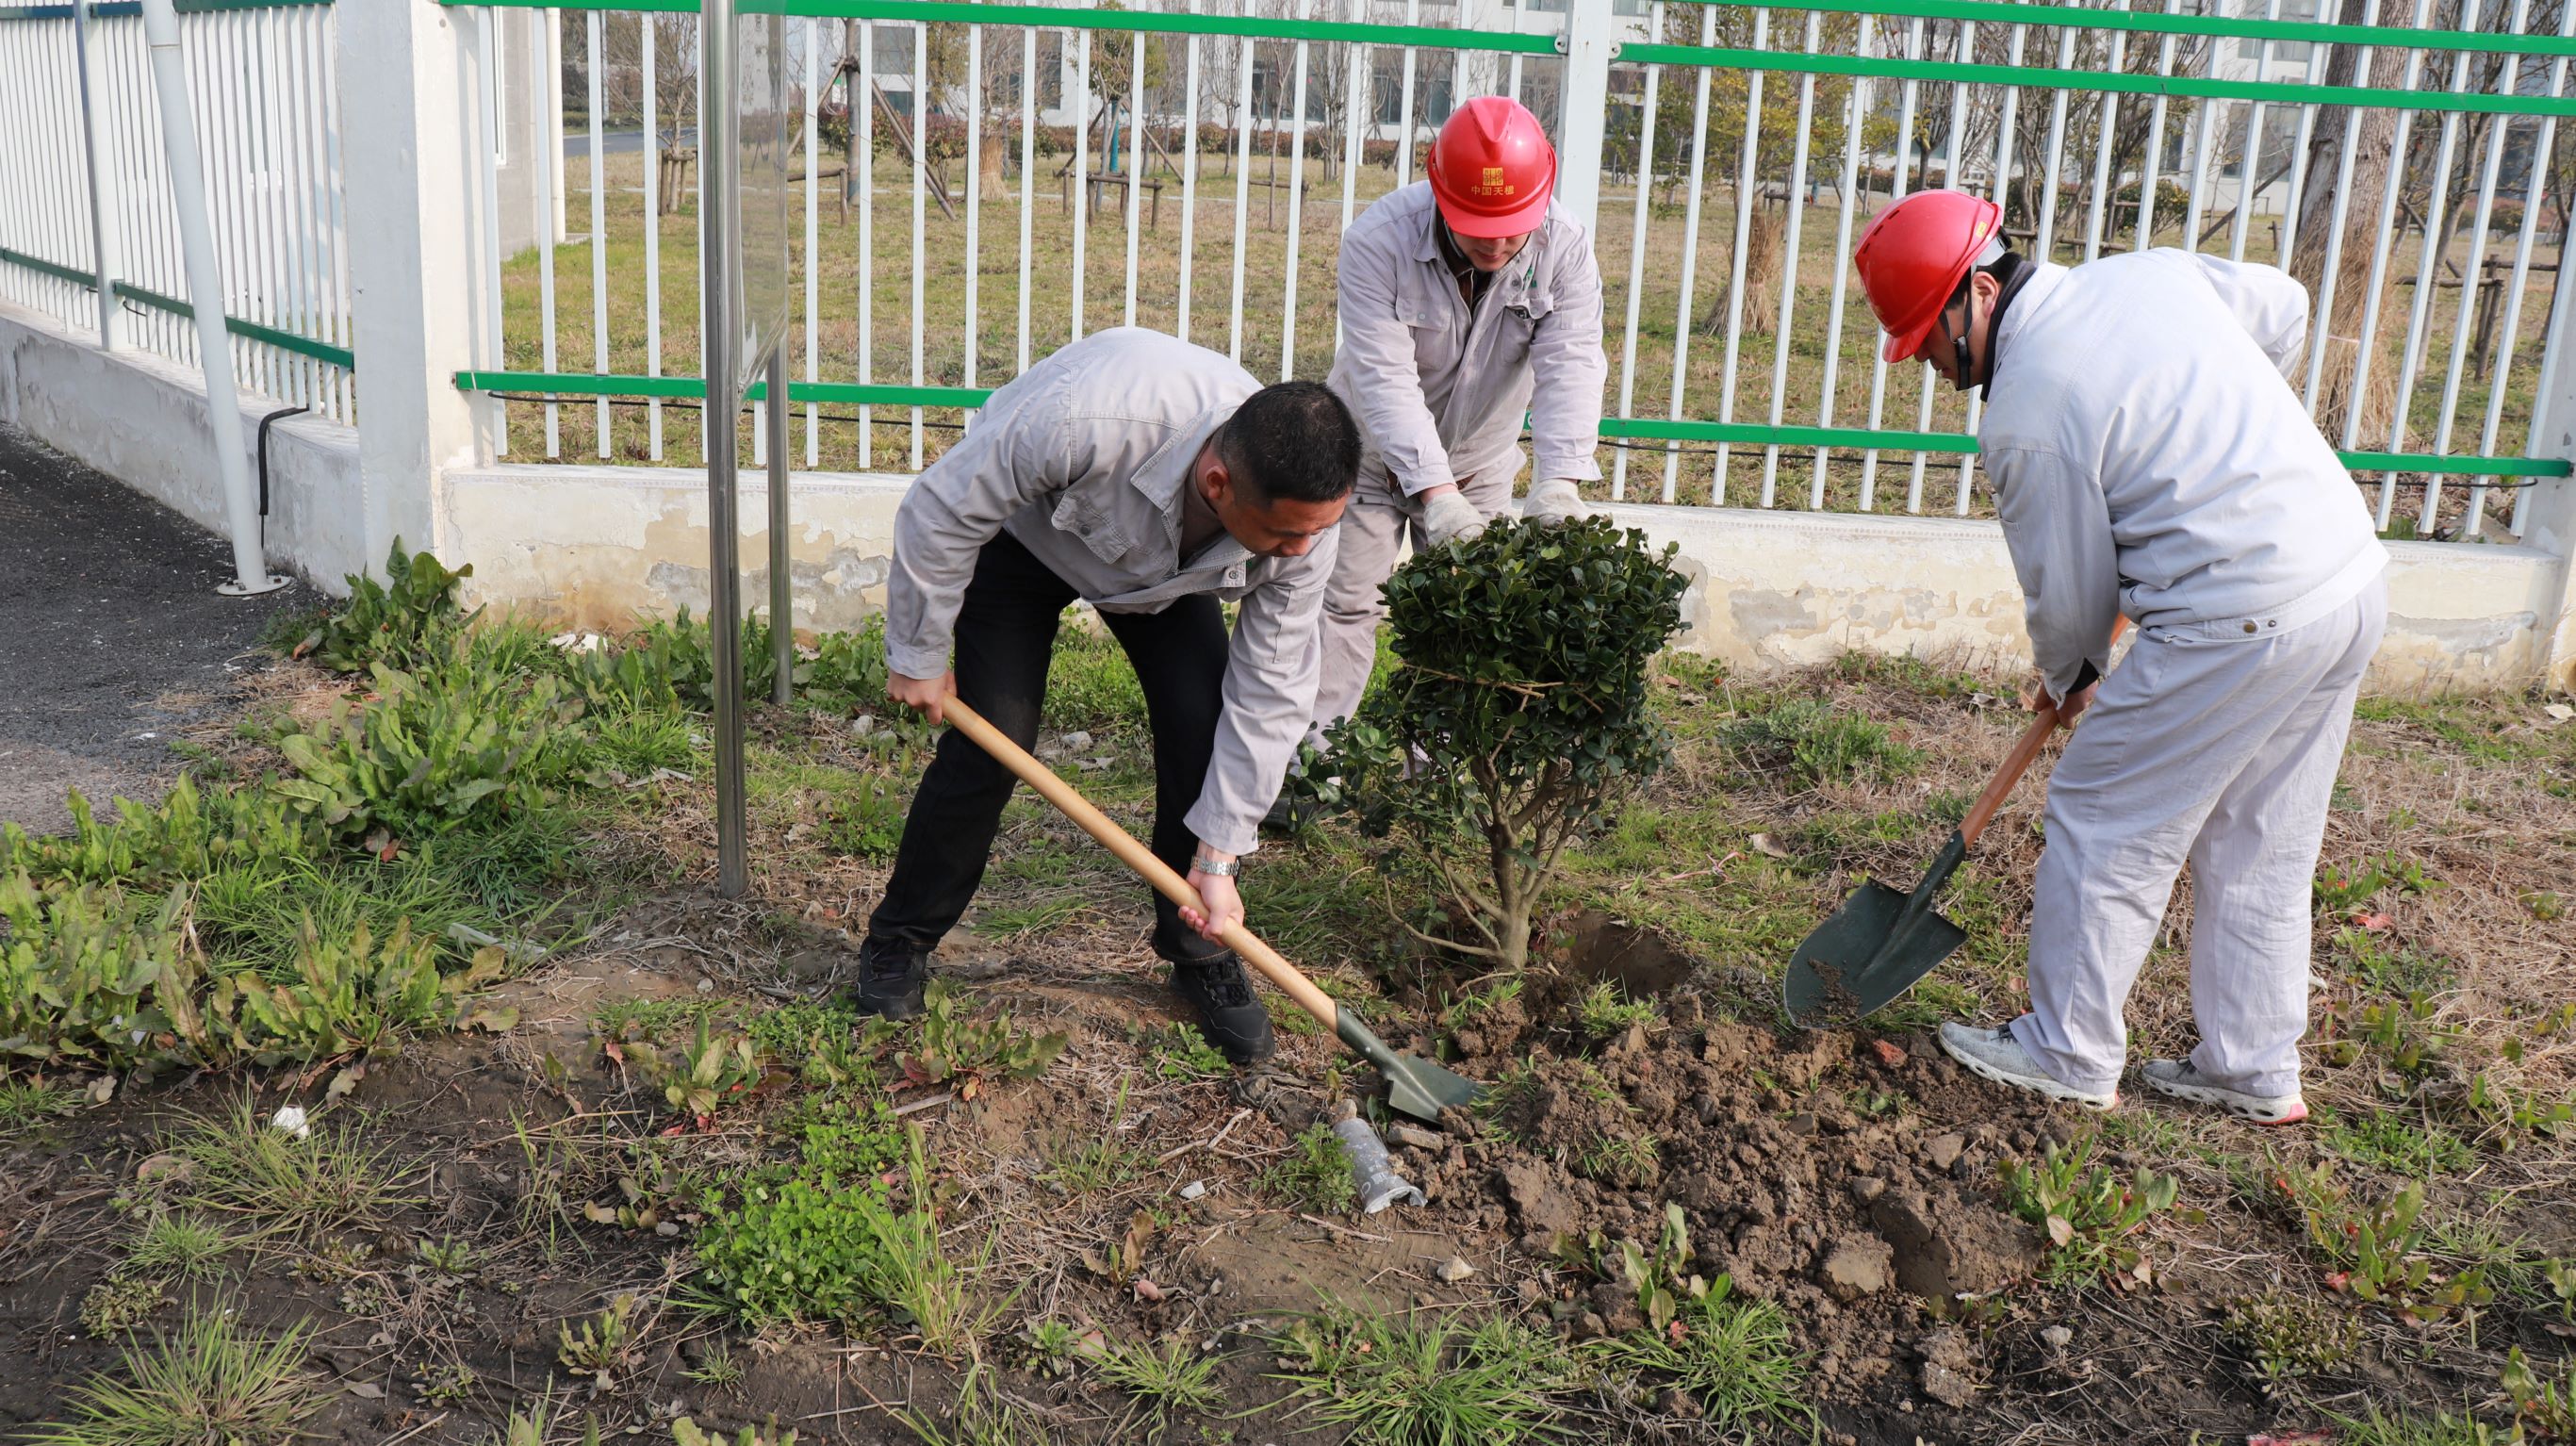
(1466, 300)
(1154, 479)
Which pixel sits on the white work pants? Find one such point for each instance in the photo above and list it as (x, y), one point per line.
(2217, 745)
(1373, 529)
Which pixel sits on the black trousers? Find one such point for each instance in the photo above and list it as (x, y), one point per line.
(1006, 628)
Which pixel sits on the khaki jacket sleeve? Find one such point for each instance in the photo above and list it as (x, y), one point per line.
(951, 511)
(2057, 526)
(1271, 671)
(2268, 302)
(1569, 369)
(1377, 347)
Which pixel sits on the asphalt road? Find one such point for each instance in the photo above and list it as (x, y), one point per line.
(111, 634)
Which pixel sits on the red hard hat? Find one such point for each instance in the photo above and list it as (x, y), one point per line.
(1492, 169)
(1912, 258)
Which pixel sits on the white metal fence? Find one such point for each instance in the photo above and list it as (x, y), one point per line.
(77, 101)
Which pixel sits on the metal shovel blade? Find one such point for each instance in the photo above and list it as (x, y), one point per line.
(1865, 956)
(1414, 1086)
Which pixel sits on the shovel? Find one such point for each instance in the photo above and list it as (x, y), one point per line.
(1879, 942)
(1415, 1087)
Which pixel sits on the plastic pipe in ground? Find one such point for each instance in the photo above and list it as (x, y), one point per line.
(206, 297)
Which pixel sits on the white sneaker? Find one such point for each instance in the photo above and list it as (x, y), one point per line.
(1994, 1054)
(2184, 1081)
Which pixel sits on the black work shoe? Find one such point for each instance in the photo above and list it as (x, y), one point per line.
(1288, 816)
(891, 979)
(1230, 1014)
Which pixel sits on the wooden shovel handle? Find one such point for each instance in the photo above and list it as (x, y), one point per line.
(2017, 762)
(1136, 856)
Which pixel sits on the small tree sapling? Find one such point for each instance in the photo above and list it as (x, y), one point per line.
(1518, 716)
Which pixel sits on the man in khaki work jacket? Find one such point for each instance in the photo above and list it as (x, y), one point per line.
(1154, 479)
(1466, 301)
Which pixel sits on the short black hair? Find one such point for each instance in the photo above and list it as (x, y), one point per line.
(1293, 441)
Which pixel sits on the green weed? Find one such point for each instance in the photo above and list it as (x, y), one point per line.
(2385, 968)
(1180, 1052)
(2088, 1212)
(1413, 1380)
(980, 1416)
(2379, 1253)
(187, 835)
(26, 1104)
(1623, 1162)
(1819, 744)
(403, 623)
(2340, 890)
(2385, 1139)
(122, 1303)
(1164, 1382)
(1314, 1175)
(1083, 1161)
(868, 824)
(1737, 1358)
(1090, 683)
(717, 1370)
(2287, 1337)
(2377, 1428)
(817, 1041)
(698, 1077)
(1606, 1010)
(949, 1046)
(207, 1383)
(242, 1166)
(185, 1247)
(685, 1432)
(2542, 1406)
(602, 1347)
(1662, 1280)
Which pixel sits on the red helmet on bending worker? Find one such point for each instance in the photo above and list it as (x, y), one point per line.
(1492, 169)
(1913, 257)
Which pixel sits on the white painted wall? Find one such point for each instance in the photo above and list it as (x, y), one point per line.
(599, 547)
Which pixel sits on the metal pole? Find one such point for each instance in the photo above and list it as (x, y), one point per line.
(782, 590)
(101, 206)
(206, 295)
(718, 232)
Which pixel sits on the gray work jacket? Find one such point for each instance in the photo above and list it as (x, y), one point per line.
(1439, 389)
(1083, 459)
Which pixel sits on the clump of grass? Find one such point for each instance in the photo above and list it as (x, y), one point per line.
(1818, 744)
(207, 1383)
(2416, 1149)
(1623, 1162)
(1606, 1010)
(1314, 1175)
(240, 1165)
(26, 1104)
(188, 1247)
(1164, 1382)
(1428, 1381)
(981, 1416)
(1735, 1357)
(1180, 1052)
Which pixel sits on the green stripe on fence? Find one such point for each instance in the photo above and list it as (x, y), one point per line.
(1898, 68)
(2003, 12)
(951, 12)
(592, 384)
(321, 351)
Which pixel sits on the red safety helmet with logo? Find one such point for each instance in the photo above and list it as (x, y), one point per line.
(1913, 257)
(1492, 169)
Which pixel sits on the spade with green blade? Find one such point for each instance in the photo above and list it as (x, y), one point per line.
(1880, 941)
(1415, 1086)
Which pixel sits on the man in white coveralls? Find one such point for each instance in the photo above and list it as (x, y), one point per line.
(1466, 301)
(1155, 479)
(2149, 459)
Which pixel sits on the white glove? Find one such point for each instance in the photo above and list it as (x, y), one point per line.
(1554, 502)
(1450, 517)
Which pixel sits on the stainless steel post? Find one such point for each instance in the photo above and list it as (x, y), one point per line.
(102, 205)
(719, 211)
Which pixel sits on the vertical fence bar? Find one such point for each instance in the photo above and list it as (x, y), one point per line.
(2534, 185)
(2473, 273)
(2383, 246)
(1028, 175)
(1081, 168)
(920, 216)
(2202, 112)
(1355, 120)
(1906, 97)
(1136, 43)
(335, 230)
(1296, 208)
(1690, 246)
(863, 115)
(2420, 309)
(487, 169)
(2108, 129)
(2340, 211)
(1745, 198)
(102, 193)
(2249, 169)
(974, 200)
(1857, 111)
(652, 231)
(1244, 50)
(2153, 158)
(813, 258)
(1637, 256)
(593, 44)
(1796, 201)
(1404, 104)
(295, 196)
(1967, 50)
(545, 159)
(1189, 178)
